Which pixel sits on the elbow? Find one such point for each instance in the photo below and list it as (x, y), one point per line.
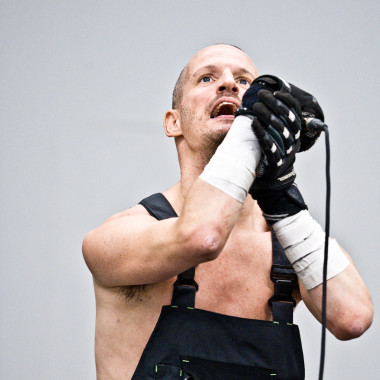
(355, 325)
(204, 244)
(210, 245)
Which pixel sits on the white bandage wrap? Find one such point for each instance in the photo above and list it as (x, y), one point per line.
(232, 167)
(303, 241)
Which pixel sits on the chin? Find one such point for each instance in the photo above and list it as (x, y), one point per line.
(224, 125)
(215, 138)
(217, 130)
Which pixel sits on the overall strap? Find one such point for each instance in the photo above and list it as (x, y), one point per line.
(158, 206)
(185, 287)
(284, 278)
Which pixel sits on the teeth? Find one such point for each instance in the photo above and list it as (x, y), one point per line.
(217, 109)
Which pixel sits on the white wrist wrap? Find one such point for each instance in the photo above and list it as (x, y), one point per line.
(303, 241)
(232, 167)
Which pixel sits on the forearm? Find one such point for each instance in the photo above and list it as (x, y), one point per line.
(214, 201)
(206, 219)
(130, 248)
(349, 310)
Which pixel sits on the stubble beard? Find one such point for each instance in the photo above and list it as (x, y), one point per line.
(209, 140)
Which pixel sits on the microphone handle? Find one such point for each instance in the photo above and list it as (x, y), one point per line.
(314, 124)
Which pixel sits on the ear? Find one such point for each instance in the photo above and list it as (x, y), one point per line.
(172, 124)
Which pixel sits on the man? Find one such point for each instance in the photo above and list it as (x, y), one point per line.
(220, 230)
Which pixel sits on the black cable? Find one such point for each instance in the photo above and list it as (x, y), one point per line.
(327, 233)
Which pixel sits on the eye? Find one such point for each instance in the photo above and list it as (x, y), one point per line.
(243, 82)
(205, 79)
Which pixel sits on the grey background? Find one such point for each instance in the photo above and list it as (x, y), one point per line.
(84, 86)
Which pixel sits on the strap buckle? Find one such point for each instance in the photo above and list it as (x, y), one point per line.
(184, 292)
(283, 292)
(184, 282)
(284, 279)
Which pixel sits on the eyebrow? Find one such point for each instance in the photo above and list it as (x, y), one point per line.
(206, 68)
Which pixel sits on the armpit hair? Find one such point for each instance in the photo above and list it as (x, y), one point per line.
(133, 292)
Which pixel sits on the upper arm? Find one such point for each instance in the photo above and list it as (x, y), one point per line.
(132, 248)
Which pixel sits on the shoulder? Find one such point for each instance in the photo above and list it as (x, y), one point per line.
(136, 210)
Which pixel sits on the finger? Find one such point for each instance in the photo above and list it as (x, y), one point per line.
(289, 100)
(293, 106)
(308, 102)
(275, 105)
(288, 115)
(283, 137)
(267, 143)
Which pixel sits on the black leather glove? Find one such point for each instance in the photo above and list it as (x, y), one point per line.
(277, 123)
(309, 105)
(310, 108)
(277, 126)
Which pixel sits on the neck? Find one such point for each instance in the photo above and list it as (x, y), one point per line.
(192, 165)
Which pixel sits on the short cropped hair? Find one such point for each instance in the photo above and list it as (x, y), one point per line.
(178, 88)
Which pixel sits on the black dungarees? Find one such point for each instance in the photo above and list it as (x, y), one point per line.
(189, 343)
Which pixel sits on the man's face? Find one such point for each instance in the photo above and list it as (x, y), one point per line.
(216, 80)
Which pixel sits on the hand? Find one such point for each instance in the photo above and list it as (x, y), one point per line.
(307, 102)
(310, 109)
(277, 123)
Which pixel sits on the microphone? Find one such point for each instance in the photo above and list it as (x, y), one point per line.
(313, 124)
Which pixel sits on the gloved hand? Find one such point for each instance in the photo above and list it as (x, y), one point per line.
(277, 124)
(310, 109)
(308, 104)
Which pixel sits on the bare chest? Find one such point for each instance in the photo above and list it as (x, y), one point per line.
(238, 282)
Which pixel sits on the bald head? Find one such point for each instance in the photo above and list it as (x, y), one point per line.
(209, 50)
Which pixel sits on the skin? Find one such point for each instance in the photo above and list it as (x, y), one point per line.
(229, 242)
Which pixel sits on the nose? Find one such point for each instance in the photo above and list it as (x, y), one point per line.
(227, 83)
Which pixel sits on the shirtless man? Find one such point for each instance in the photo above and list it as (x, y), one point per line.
(134, 259)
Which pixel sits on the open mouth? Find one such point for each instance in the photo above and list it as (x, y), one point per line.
(224, 109)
